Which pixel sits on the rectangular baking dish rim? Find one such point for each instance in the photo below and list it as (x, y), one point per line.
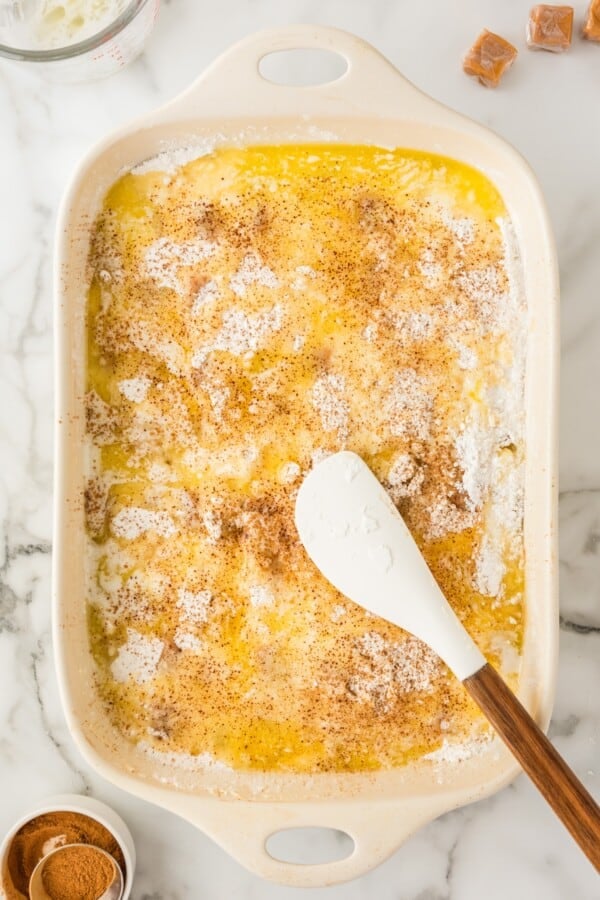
(376, 105)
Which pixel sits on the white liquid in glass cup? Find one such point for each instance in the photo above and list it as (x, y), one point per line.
(75, 40)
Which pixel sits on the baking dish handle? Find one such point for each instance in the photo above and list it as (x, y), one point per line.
(377, 830)
(233, 84)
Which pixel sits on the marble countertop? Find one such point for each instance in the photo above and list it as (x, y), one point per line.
(509, 845)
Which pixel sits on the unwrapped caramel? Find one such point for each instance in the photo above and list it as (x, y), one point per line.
(550, 28)
(591, 27)
(489, 58)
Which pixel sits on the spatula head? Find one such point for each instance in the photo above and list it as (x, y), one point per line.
(354, 534)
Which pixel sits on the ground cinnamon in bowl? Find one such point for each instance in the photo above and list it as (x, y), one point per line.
(77, 872)
(44, 833)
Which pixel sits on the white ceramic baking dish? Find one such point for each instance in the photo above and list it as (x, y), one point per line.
(370, 104)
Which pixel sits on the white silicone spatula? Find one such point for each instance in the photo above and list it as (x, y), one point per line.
(354, 534)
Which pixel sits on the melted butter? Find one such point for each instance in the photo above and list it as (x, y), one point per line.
(346, 231)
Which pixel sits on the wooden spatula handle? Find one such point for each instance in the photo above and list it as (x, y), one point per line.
(547, 769)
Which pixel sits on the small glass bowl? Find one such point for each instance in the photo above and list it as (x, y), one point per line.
(97, 56)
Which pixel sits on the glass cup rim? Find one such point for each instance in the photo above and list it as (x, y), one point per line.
(71, 51)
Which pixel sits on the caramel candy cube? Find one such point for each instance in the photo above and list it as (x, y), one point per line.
(550, 28)
(591, 28)
(489, 58)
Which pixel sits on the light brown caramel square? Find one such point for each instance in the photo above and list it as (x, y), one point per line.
(591, 28)
(550, 28)
(489, 58)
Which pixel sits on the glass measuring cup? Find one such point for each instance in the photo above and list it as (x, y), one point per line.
(111, 48)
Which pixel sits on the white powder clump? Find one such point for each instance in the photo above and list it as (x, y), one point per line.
(402, 470)
(413, 326)
(207, 294)
(463, 229)
(370, 332)
(194, 605)
(384, 669)
(510, 658)
(482, 285)
(489, 567)
(446, 517)
(172, 158)
(504, 522)
(483, 288)
(492, 477)
(405, 478)
(505, 516)
(133, 521)
(100, 419)
(381, 556)
(415, 665)
(184, 640)
(143, 337)
(110, 574)
(138, 658)
(368, 522)
(260, 595)
(218, 394)
(514, 270)
(338, 612)
(171, 354)
(252, 271)
(453, 752)
(204, 762)
(135, 389)
(467, 358)
(289, 472)
(164, 258)
(302, 274)
(213, 524)
(241, 333)
(474, 445)
(410, 406)
(318, 455)
(429, 269)
(159, 473)
(328, 398)
(137, 595)
(352, 469)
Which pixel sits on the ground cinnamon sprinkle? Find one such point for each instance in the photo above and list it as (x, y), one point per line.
(45, 833)
(77, 873)
(265, 307)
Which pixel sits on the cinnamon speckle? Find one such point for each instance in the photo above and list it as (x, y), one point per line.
(256, 311)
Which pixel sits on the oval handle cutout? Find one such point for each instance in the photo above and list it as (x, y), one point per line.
(308, 846)
(302, 67)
